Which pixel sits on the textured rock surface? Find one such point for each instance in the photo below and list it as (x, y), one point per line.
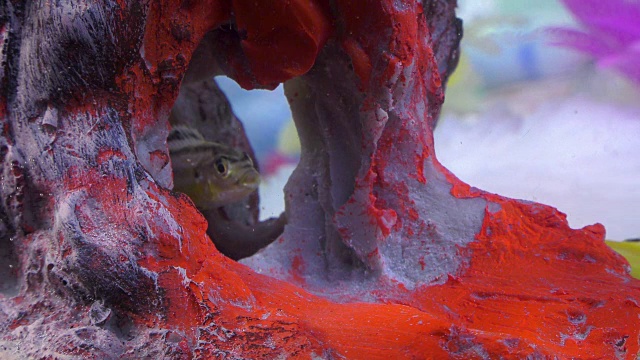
(386, 255)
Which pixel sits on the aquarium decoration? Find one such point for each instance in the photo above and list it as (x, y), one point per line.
(385, 255)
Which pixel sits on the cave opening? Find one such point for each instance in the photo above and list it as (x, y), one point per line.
(268, 124)
(255, 133)
(305, 133)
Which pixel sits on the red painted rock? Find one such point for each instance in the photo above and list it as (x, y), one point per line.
(386, 254)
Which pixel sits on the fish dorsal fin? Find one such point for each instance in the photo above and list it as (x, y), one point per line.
(184, 133)
(188, 148)
(181, 138)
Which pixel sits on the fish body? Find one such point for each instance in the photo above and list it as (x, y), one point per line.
(210, 173)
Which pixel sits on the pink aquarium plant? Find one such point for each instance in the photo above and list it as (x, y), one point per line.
(610, 33)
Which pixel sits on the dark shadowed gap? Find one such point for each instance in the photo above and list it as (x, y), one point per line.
(8, 267)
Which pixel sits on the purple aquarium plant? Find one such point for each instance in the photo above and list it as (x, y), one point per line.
(610, 32)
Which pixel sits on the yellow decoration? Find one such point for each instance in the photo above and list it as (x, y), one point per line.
(631, 251)
(288, 142)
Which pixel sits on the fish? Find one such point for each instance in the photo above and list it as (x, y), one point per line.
(210, 173)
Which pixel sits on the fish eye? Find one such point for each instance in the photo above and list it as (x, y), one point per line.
(221, 167)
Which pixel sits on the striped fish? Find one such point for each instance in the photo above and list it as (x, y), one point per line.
(210, 173)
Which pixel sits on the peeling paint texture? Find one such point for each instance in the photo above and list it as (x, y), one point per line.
(385, 255)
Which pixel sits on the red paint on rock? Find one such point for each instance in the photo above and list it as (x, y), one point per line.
(385, 219)
(297, 268)
(280, 39)
(107, 154)
(160, 159)
(526, 271)
(420, 160)
(529, 272)
(359, 60)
